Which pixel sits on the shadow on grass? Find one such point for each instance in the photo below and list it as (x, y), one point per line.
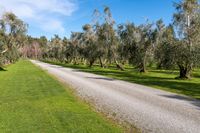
(2, 69)
(170, 84)
(161, 79)
(196, 75)
(174, 72)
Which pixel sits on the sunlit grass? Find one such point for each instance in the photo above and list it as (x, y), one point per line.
(160, 79)
(31, 101)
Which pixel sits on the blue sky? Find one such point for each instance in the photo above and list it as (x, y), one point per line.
(49, 17)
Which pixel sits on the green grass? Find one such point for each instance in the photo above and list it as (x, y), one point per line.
(160, 79)
(31, 101)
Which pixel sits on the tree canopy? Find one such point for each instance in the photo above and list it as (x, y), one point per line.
(103, 42)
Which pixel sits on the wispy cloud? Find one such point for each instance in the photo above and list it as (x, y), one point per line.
(47, 15)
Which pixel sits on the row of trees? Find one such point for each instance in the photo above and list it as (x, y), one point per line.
(12, 36)
(14, 43)
(174, 46)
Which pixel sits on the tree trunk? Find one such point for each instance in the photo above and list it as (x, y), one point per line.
(75, 62)
(119, 66)
(159, 65)
(91, 62)
(142, 68)
(101, 63)
(105, 63)
(184, 72)
(85, 62)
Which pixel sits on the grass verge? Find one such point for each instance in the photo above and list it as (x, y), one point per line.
(32, 101)
(160, 79)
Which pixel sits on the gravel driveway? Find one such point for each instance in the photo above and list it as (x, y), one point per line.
(149, 109)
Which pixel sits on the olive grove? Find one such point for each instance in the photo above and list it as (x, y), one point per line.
(105, 43)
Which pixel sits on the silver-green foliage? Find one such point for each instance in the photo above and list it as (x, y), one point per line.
(12, 35)
(187, 22)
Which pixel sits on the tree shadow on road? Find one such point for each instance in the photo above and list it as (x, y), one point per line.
(161, 79)
(101, 78)
(192, 101)
(188, 87)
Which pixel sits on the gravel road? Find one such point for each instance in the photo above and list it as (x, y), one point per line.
(149, 109)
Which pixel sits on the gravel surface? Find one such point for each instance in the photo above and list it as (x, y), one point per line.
(147, 108)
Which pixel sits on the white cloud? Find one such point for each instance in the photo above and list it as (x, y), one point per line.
(44, 14)
(52, 25)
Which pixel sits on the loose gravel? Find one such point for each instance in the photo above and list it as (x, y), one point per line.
(149, 109)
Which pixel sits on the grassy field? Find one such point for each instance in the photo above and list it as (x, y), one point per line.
(31, 101)
(160, 79)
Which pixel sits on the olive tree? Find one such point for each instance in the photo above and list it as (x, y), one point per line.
(56, 48)
(138, 42)
(165, 48)
(187, 23)
(73, 47)
(108, 40)
(89, 45)
(12, 31)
